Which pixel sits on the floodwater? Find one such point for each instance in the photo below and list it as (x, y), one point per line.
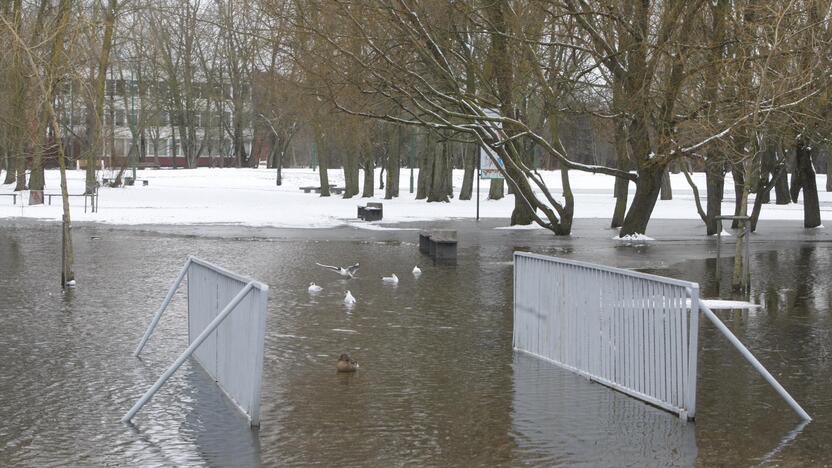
(438, 385)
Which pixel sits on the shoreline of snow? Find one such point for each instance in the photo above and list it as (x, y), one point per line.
(249, 197)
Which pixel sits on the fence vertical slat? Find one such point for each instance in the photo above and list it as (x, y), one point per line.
(662, 345)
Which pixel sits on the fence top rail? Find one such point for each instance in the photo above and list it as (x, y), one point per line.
(620, 271)
(230, 274)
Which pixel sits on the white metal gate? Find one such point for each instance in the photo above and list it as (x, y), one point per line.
(627, 330)
(631, 331)
(226, 331)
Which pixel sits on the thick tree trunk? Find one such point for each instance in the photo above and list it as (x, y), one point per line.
(648, 186)
(667, 191)
(323, 163)
(781, 189)
(811, 207)
(739, 189)
(496, 190)
(521, 215)
(439, 189)
(394, 164)
(426, 161)
(622, 186)
(350, 174)
(469, 167)
(715, 185)
(369, 173)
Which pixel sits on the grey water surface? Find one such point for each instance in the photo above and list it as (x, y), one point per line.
(439, 384)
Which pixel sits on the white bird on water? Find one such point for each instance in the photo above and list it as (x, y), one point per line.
(349, 271)
(313, 288)
(392, 279)
(417, 271)
(349, 299)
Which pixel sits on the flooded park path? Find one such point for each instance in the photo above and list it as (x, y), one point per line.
(439, 384)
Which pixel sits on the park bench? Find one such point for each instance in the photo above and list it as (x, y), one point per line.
(332, 188)
(147, 165)
(439, 244)
(93, 198)
(13, 195)
(374, 211)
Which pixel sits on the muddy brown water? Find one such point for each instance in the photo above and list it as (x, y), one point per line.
(438, 385)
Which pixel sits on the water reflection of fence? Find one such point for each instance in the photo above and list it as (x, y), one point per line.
(226, 330)
(627, 330)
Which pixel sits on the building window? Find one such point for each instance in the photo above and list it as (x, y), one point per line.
(119, 117)
(162, 149)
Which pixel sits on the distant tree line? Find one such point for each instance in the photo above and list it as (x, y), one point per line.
(632, 90)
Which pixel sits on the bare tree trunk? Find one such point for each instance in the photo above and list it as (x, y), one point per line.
(648, 187)
(715, 185)
(739, 189)
(811, 206)
(394, 163)
(369, 172)
(426, 161)
(667, 191)
(469, 166)
(622, 186)
(94, 149)
(350, 173)
(439, 188)
(496, 190)
(781, 185)
(323, 162)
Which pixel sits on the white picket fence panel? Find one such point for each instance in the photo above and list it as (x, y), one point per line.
(226, 332)
(627, 330)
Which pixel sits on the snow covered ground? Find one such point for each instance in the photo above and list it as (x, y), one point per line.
(249, 197)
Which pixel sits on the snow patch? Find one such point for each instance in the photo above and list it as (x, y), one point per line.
(633, 239)
(521, 227)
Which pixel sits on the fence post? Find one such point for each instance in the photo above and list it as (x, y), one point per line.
(693, 352)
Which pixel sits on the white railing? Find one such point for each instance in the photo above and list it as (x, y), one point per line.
(630, 331)
(226, 331)
(627, 330)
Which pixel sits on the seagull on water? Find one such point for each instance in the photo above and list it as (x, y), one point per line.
(349, 271)
(393, 279)
(349, 299)
(313, 288)
(417, 271)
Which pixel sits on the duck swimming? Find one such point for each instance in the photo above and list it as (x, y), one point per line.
(346, 364)
(393, 279)
(417, 271)
(313, 288)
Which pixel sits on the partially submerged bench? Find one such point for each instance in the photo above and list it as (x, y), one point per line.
(373, 211)
(439, 244)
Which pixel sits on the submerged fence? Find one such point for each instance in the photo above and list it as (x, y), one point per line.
(631, 331)
(626, 330)
(226, 330)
